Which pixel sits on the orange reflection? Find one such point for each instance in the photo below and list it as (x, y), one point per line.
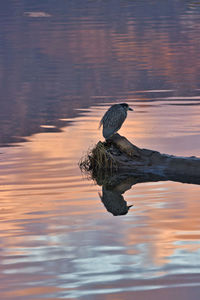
(46, 168)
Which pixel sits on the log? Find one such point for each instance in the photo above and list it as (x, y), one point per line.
(133, 158)
(122, 157)
(117, 165)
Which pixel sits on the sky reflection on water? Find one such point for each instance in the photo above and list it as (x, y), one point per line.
(54, 224)
(61, 66)
(79, 52)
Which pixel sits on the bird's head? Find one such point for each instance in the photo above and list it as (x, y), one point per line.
(126, 106)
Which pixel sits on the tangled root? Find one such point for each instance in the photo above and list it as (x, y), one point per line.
(98, 159)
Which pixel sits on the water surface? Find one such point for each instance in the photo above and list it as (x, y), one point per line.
(62, 64)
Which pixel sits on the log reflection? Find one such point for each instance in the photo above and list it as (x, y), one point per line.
(115, 185)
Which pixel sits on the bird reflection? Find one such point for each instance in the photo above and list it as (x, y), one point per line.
(114, 202)
(115, 183)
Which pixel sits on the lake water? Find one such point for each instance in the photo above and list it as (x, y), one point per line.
(62, 64)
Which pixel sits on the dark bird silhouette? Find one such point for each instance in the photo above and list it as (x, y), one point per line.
(113, 119)
(114, 202)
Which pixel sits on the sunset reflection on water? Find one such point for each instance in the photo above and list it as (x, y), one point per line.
(54, 225)
(62, 65)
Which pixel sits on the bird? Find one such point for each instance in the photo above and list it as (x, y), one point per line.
(113, 119)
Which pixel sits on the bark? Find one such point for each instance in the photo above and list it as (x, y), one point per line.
(117, 158)
(132, 159)
(117, 165)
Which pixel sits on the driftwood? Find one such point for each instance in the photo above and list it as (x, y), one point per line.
(117, 165)
(149, 161)
(119, 155)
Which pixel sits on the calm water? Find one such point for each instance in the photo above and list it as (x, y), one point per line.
(62, 64)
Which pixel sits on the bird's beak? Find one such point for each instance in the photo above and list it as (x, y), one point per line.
(130, 109)
(129, 206)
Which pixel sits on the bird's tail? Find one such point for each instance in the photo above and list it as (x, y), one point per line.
(100, 124)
